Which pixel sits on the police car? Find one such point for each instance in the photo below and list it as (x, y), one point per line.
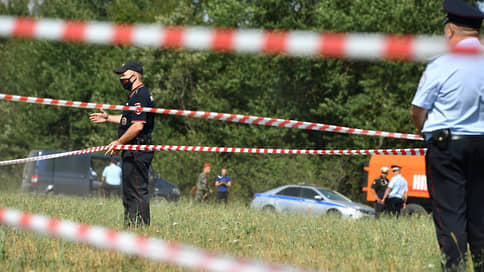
(309, 199)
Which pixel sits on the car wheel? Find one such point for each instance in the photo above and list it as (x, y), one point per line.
(334, 213)
(414, 209)
(49, 190)
(269, 209)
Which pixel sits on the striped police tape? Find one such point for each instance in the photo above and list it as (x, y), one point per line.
(402, 152)
(132, 244)
(236, 118)
(295, 43)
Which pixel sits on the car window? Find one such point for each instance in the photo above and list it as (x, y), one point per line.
(331, 195)
(73, 165)
(290, 191)
(308, 193)
(45, 166)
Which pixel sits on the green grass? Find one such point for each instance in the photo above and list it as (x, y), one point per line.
(323, 243)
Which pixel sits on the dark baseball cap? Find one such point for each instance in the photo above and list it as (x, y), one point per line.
(130, 65)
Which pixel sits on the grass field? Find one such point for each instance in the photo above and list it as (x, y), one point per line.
(321, 243)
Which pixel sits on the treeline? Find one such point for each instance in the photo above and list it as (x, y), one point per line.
(369, 95)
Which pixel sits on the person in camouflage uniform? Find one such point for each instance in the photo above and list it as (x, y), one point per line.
(203, 190)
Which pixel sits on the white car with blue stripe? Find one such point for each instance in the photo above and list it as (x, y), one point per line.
(309, 199)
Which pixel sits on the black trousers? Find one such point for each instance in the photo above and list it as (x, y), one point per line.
(455, 178)
(222, 195)
(379, 208)
(110, 190)
(394, 205)
(136, 199)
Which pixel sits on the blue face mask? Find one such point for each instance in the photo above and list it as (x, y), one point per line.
(126, 82)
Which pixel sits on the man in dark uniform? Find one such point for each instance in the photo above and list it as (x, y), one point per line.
(448, 108)
(135, 127)
(378, 189)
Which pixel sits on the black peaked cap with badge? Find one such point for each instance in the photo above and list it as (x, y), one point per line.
(130, 65)
(463, 14)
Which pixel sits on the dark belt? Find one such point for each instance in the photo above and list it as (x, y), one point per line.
(466, 137)
(443, 137)
(141, 140)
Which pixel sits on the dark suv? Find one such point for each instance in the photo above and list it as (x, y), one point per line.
(80, 175)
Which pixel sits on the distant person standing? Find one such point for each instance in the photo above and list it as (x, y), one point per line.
(223, 182)
(203, 189)
(134, 127)
(397, 192)
(378, 189)
(111, 179)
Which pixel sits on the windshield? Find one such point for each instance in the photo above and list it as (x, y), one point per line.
(332, 195)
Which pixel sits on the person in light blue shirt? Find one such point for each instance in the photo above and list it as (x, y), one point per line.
(448, 108)
(450, 92)
(111, 179)
(395, 197)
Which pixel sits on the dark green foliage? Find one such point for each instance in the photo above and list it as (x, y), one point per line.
(369, 95)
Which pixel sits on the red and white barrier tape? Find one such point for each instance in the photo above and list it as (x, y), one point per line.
(133, 244)
(56, 155)
(403, 152)
(296, 43)
(236, 118)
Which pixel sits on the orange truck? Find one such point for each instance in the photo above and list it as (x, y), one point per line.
(413, 170)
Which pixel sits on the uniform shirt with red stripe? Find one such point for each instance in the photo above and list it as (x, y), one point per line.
(139, 97)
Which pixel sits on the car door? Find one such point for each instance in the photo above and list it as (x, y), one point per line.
(72, 175)
(289, 200)
(310, 205)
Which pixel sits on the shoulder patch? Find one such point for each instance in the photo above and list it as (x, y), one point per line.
(138, 111)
